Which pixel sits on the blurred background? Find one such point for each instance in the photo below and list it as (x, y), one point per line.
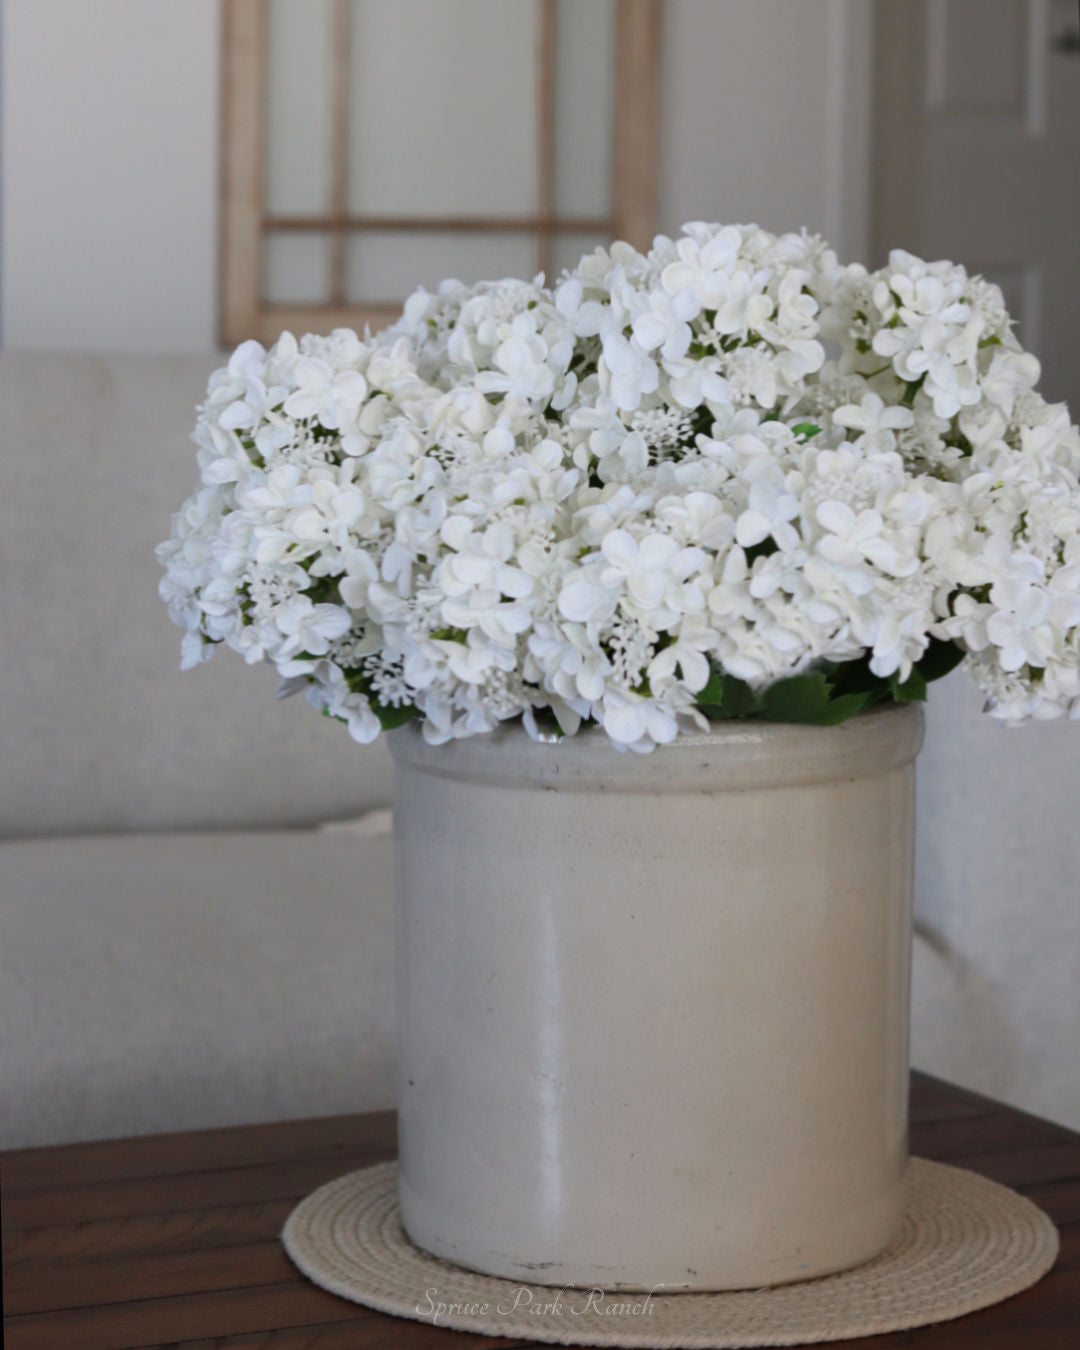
(194, 901)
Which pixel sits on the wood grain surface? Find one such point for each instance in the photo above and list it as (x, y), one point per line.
(172, 1240)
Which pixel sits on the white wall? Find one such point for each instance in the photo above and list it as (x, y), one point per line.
(108, 225)
(765, 115)
(108, 228)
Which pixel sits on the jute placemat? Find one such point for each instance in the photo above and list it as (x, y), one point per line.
(967, 1243)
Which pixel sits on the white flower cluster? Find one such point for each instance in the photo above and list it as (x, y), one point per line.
(577, 504)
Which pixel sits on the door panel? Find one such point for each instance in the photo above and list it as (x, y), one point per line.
(978, 158)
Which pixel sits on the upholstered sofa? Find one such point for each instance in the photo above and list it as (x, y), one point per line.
(181, 944)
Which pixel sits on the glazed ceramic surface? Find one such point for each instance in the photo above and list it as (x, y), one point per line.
(653, 1009)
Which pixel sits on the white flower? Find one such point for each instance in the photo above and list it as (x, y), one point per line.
(521, 369)
(573, 665)
(630, 719)
(685, 657)
(335, 508)
(742, 304)
(646, 568)
(877, 422)
(664, 324)
(586, 600)
(256, 403)
(310, 627)
(325, 395)
(1010, 375)
(283, 487)
(631, 372)
(852, 539)
(694, 382)
(586, 499)
(483, 608)
(769, 509)
(1020, 610)
(703, 268)
(585, 317)
(194, 650)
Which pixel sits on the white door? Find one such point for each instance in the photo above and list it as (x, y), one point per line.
(978, 156)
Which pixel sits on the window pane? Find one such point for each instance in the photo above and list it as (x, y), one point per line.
(296, 267)
(584, 106)
(443, 108)
(298, 115)
(387, 266)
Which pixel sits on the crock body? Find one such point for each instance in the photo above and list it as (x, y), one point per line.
(653, 1009)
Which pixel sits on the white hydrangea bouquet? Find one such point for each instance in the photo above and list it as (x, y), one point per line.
(727, 478)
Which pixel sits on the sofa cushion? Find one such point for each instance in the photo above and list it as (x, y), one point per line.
(163, 982)
(100, 729)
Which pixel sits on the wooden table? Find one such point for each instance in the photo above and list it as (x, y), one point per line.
(172, 1240)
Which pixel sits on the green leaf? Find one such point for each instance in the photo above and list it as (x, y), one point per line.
(797, 698)
(939, 659)
(765, 549)
(843, 707)
(393, 717)
(912, 690)
(935, 663)
(804, 430)
(724, 697)
(739, 699)
(701, 422)
(357, 681)
(322, 590)
(856, 677)
(713, 692)
(826, 696)
(808, 699)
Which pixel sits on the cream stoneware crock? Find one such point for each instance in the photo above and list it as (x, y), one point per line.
(653, 1009)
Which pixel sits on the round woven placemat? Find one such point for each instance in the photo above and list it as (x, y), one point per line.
(967, 1243)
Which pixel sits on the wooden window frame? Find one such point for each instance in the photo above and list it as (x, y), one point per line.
(244, 221)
